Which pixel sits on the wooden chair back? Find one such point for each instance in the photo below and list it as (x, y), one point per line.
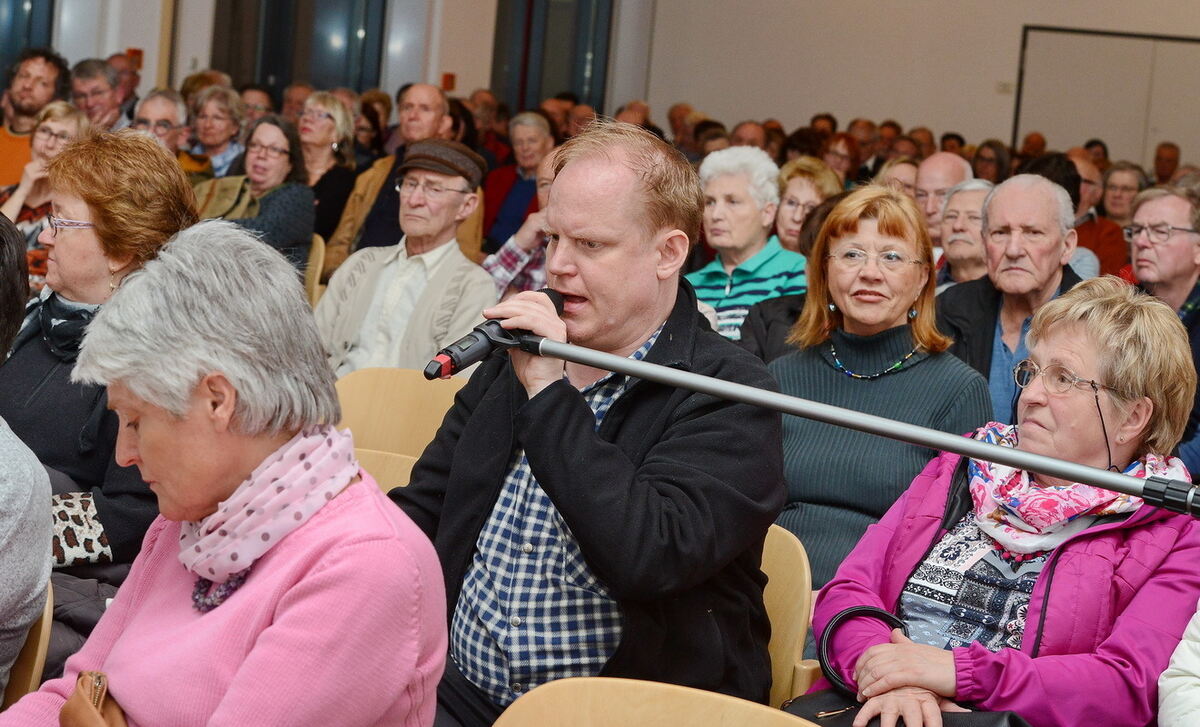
(312, 271)
(788, 598)
(394, 410)
(26, 673)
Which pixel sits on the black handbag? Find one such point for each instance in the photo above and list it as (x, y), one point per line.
(837, 707)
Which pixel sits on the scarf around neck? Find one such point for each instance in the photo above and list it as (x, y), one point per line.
(280, 495)
(1025, 517)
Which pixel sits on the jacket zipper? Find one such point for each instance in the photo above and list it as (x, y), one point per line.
(97, 689)
(1037, 640)
(37, 389)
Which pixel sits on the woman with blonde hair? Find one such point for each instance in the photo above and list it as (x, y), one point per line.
(867, 340)
(1022, 592)
(804, 183)
(327, 140)
(217, 116)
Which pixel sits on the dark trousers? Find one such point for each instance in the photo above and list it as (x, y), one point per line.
(462, 704)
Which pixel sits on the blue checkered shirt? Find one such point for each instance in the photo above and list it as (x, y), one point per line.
(530, 610)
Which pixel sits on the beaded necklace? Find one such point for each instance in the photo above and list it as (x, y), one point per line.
(203, 601)
(837, 363)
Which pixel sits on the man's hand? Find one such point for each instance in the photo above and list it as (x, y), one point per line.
(534, 312)
(530, 234)
(885, 667)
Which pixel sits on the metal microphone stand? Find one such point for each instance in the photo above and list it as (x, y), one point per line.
(1173, 495)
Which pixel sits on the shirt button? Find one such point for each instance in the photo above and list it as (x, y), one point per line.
(518, 688)
(527, 548)
(515, 620)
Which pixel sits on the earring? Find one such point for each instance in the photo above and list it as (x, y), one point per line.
(112, 281)
(832, 308)
(335, 147)
(912, 313)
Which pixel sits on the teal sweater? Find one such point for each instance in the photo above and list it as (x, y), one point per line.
(841, 480)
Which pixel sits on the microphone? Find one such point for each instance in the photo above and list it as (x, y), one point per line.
(477, 345)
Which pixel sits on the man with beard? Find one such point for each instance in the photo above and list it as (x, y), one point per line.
(38, 77)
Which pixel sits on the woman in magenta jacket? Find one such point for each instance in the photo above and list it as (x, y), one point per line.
(1055, 600)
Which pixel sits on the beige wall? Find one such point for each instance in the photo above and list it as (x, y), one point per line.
(949, 64)
(463, 33)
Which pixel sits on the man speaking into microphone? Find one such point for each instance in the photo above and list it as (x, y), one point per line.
(588, 523)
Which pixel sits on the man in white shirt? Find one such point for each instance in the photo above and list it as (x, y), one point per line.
(399, 305)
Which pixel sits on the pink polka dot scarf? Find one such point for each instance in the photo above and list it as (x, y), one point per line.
(280, 495)
(1025, 517)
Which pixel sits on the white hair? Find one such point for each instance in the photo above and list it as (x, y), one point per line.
(1062, 200)
(756, 164)
(171, 96)
(529, 118)
(971, 185)
(216, 299)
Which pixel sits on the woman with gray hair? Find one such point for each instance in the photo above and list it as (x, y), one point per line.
(279, 584)
(741, 195)
(510, 192)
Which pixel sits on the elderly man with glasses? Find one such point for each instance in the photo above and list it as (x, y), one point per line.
(163, 115)
(1165, 245)
(399, 305)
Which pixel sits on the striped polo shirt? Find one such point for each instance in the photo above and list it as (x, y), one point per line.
(772, 272)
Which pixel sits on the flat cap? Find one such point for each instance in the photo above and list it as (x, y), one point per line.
(445, 157)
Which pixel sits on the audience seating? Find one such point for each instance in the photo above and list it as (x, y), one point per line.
(389, 469)
(26, 673)
(394, 410)
(788, 597)
(312, 272)
(608, 702)
(470, 233)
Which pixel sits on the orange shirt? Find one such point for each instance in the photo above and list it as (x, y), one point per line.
(15, 153)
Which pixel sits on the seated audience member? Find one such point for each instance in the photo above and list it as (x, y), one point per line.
(935, 176)
(905, 146)
(768, 324)
(115, 199)
(840, 152)
(272, 197)
(899, 173)
(867, 341)
(24, 487)
(520, 263)
(741, 194)
(1026, 592)
(804, 183)
(217, 115)
(580, 116)
(1028, 240)
(803, 142)
(888, 131)
(164, 114)
(94, 91)
(371, 217)
(1098, 151)
(200, 80)
(923, 138)
(749, 133)
(627, 508)
(962, 234)
(1101, 236)
(484, 105)
(1122, 182)
(825, 123)
(992, 161)
(382, 103)
(866, 134)
(952, 142)
(1165, 238)
(128, 80)
(1166, 161)
(510, 192)
(327, 143)
(711, 139)
(1062, 171)
(368, 138)
(294, 97)
(37, 77)
(28, 202)
(232, 597)
(256, 101)
(399, 305)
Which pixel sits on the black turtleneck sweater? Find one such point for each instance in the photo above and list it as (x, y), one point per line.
(840, 480)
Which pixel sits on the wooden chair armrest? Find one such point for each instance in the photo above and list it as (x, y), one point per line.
(804, 675)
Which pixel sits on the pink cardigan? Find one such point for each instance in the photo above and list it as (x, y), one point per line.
(343, 623)
(1110, 607)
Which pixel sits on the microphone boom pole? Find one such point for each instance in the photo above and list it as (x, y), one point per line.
(1174, 495)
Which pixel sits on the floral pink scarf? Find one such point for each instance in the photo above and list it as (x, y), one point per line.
(280, 495)
(1024, 517)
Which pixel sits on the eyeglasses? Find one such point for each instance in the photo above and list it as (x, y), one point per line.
(432, 191)
(58, 223)
(48, 134)
(1120, 188)
(272, 152)
(792, 205)
(1057, 378)
(257, 107)
(94, 94)
(854, 259)
(316, 114)
(1158, 233)
(162, 127)
(216, 118)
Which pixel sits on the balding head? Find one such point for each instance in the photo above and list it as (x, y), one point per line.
(1033, 145)
(749, 133)
(935, 176)
(423, 113)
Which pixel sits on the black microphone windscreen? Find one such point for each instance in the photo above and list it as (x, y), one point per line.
(555, 298)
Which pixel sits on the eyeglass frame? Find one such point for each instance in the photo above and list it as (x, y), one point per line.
(62, 138)
(867, 256)
(1131, 234)
(160, 128)
(272, 152)
(436, 191)
(1076, 380)
(314, 113)
(61, 223)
